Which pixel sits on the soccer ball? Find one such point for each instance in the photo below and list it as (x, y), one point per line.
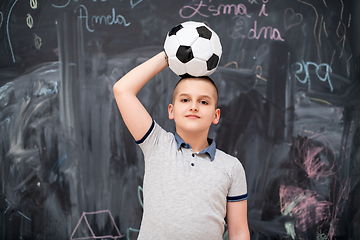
(192, 49)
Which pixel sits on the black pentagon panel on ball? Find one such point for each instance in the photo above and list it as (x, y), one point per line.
(186, 75)
(204, 32)
(175, 29)
(184, 54)
(212, 62)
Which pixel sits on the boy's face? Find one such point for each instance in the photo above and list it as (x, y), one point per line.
(194, 106)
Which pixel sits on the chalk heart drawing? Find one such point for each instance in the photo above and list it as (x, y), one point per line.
(291, 18)
(134, 4)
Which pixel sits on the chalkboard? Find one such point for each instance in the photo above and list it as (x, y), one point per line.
(289, 98)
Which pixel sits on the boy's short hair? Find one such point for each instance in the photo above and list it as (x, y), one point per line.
(204, 78)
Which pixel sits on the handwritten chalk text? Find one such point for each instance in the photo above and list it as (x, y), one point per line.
(205, 10)
(274, 33)
(241, 30)
(100, 20)
(67, 2)
(304, 67)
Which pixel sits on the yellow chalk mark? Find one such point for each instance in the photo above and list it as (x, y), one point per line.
(37, 41)
(320, 29)
(324, 3)
(320, 100)
(33, 4)
(29, 21)
(332, 58)
(308, 131)
(230, 63)
(343, 38)
(258, 75)
(348, 65)
(342, 9)
(325, 30)
(316, 21)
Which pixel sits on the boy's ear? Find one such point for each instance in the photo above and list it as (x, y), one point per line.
(217, 116)
(171, 111)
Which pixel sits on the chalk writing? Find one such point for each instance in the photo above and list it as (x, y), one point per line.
(84, 218)
(262, 11)
(29, 21)
(82, 7)
(33, 4)
(291, 18)
(304, 67)
(212, 10)
(107, 20)
(239, 31)
(67, 2)
(274, 33)
(37, 41)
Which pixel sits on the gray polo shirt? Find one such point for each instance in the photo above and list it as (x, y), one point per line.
(185, 192)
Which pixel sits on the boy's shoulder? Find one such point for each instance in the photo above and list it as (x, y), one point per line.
(223, 155)
(228, 161)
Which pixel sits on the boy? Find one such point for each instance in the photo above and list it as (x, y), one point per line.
(189, 185)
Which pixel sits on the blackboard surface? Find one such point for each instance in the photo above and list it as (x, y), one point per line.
(289, 97)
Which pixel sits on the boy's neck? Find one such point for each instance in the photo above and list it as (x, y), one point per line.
(197, 141)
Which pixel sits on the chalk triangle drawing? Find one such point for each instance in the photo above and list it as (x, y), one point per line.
(87, 228)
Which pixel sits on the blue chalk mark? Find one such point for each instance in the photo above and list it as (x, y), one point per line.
(24, 215)
(59, 162)
(7, 30)
(8, 206)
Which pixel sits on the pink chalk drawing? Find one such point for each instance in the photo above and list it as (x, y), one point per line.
(291, 18)
(341, 199)
(305, 205)
(310, 163)
(84, 218)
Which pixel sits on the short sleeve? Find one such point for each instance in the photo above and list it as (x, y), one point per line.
(238, 188)
(153, 139)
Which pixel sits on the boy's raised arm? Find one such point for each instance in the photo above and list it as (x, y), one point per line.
(134, 114)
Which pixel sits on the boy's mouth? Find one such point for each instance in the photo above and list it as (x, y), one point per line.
(191, 116)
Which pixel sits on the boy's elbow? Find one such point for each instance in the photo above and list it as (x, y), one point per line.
(117, 88)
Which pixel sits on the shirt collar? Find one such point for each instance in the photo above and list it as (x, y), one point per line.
(211, 149)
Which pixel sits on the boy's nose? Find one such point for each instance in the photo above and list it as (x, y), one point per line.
(194, 107)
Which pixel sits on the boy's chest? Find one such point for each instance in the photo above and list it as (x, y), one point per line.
(186, 173)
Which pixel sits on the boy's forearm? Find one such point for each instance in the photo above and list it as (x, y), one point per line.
(134, 80)
(134, 114)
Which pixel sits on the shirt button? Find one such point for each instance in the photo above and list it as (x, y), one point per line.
(193, 155)
(192, 164)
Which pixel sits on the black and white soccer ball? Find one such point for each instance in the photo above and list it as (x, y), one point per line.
(192, 49)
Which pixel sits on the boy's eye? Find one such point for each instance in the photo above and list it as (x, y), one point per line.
(184, 100)
(204, 102)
